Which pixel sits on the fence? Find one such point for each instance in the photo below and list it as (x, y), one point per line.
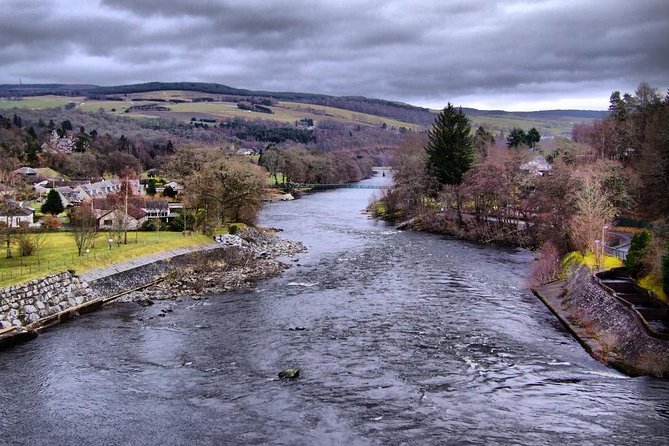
(19, 269)
(617, 251)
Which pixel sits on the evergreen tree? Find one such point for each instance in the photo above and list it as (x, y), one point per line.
(450, 148)
(151, 187)
(66, 126)
(516, 138)
(169, 192)
(53, 204)
(482, 140)
(532, 138)
(635, 260)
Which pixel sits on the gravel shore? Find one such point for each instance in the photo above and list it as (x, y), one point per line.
(249, 256)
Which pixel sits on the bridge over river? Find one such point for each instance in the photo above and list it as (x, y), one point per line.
(293, 186)
(362, 185)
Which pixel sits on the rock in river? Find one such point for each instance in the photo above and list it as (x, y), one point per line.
(289, 374)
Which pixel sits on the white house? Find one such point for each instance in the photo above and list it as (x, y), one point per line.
(538, 166)
(13, 214)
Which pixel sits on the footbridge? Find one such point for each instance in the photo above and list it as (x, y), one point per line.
(295, 186)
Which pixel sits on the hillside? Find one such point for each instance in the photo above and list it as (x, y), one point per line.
(184, 101)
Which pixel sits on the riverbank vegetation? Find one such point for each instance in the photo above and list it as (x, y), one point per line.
(555, 198)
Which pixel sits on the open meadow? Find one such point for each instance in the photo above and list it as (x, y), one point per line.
(284, 111)
(59, 253)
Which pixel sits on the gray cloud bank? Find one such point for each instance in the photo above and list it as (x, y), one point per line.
(473, 52)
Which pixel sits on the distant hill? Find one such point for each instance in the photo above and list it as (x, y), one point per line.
(549, 122)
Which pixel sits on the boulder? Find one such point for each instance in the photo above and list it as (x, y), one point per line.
(289, 374)
(29, 309)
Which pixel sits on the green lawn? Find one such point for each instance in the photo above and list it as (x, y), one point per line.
(654, 285)
(606, 262)
(38, 102)
(59, 253)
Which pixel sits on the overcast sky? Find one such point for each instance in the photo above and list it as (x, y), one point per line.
(513, 55)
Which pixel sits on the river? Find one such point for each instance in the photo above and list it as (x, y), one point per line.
(408, 338)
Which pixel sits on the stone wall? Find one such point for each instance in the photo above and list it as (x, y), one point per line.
(620, 338)
(28, 302)
(139, 276)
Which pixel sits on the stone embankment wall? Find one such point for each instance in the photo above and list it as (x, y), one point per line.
(618, 336)
(143, 275)
(29, 302)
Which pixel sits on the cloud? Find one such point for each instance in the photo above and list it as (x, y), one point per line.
(428, 52)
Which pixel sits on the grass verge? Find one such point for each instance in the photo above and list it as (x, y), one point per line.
(59, 253)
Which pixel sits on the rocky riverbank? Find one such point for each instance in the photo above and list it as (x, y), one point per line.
(242, 260)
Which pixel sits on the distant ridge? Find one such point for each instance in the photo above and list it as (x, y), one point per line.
(380, 107)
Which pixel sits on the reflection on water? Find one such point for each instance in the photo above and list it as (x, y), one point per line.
(408, 338)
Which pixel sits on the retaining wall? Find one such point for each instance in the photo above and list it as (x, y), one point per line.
(29, 302)
(619, 335)
(144, 274)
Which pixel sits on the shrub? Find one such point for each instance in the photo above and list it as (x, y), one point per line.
(26, 245)
(50, 223)
(569, 263)
(547, 266)
(152, 224)
(635, 261)
(233, 229)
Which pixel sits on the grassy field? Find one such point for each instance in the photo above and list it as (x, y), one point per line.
(287, 112)
(316, 111)
(59, 253)
(37, 102)
(545, 127)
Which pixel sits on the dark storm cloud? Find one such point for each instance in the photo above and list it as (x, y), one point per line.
(425, 51)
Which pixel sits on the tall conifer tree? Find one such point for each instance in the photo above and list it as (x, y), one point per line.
(450, 149)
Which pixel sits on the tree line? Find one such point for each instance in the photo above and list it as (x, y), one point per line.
(457, 180)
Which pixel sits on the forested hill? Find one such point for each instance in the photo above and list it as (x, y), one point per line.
(542, 114)
(396, 110)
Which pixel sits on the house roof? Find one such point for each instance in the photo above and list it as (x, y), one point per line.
(25, 171)
(174, 185)
(103, 204)
(154, 203)
(11, 208)
(538, 164)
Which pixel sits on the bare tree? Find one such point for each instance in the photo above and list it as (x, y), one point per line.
(593, 211)
(273, 161)
(225, 190)
(84, 227)
(6, 208)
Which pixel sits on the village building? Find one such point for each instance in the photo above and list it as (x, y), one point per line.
(176, 187)
(139, 210)
(537, 166)
(14, 214)
(58, 144)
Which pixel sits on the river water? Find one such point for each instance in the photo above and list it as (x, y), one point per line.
(408, 339)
